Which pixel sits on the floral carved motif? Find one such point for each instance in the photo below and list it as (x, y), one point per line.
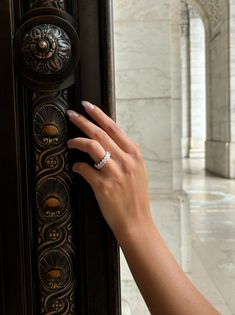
(59, 4)
(214, 11)
(54, 215)
(46, 49)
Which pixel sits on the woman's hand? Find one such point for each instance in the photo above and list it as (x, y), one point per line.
(120, 186)
(121, 190)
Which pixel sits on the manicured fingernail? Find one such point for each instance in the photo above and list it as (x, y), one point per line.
(87, 105)
(72, 114)
(75, 167)
(68, 143)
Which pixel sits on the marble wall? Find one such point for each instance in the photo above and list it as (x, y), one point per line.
(148, 90)
(218, 17)
(232, 87)
(218, 158)
(186, 80)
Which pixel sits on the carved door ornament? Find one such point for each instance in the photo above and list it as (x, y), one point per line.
(47, 49)
(58, 256)
(47, 54)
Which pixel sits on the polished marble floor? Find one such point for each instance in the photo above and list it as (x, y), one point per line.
(212, 203)
(212, 207)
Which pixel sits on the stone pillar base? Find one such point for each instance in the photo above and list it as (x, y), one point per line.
(220, 158)
(185, 147)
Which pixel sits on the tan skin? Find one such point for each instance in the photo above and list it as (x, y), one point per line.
(121, 189)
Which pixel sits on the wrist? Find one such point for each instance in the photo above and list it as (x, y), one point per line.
(134, 230)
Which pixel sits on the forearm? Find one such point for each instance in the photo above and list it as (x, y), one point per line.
(164, 286)
(121, 189)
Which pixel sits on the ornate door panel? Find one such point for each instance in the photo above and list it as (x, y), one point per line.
(57, 254)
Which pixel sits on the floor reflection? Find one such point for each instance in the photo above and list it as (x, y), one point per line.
(212, 203)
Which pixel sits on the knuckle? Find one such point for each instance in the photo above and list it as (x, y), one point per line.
(99, 134)
(92, 146)
(131, 161)
(81, 168)
(127, 165)
(78, 167)
(113, 128)
(136, 152)
(98, 184)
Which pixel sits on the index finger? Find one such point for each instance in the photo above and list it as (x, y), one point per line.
(109, 126)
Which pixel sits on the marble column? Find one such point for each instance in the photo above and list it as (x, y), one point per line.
(198, 86)
(232, 88)
(186, 84)
(219, 143)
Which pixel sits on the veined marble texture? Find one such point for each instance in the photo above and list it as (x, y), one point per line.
(142, 44)
(134, 83)
(217, 157)
(142, 58)
(148, 123)
(232, 70)
(218, 108)
(138, 10)
(147, 55)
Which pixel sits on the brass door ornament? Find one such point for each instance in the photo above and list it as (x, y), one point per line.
(58, 255)
(47, 53)
(47, 49)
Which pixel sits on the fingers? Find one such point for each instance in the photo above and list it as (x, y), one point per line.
(92, 147)
(87, 172)
(107, 124)
(94, 132)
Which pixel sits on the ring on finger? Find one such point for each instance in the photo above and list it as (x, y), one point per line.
(104, 160)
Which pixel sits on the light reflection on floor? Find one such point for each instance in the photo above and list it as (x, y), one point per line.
(212, 203)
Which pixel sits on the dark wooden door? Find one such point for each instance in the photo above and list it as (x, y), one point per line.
(57, 254)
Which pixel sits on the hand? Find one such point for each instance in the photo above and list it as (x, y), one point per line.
(121, 190)
(120, 186)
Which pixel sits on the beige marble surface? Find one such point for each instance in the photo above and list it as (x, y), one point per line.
(212, 207)
(147, 61)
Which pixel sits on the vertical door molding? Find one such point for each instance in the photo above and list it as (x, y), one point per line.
(67, 258)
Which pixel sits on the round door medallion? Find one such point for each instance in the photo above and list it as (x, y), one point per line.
(47, 49)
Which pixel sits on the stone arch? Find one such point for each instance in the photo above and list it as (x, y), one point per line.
(215, 16)
(204, 14)
(212, 12)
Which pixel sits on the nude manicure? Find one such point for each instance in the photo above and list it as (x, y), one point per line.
(72, 114)
(87, 105)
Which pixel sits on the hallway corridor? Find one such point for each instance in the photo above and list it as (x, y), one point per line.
(212, 201)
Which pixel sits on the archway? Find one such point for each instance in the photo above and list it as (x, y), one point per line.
(215, 16)
(193, 65)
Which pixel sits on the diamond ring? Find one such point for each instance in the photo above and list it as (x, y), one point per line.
(105, 159)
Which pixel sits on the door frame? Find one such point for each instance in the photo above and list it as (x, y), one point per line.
(97, 253)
